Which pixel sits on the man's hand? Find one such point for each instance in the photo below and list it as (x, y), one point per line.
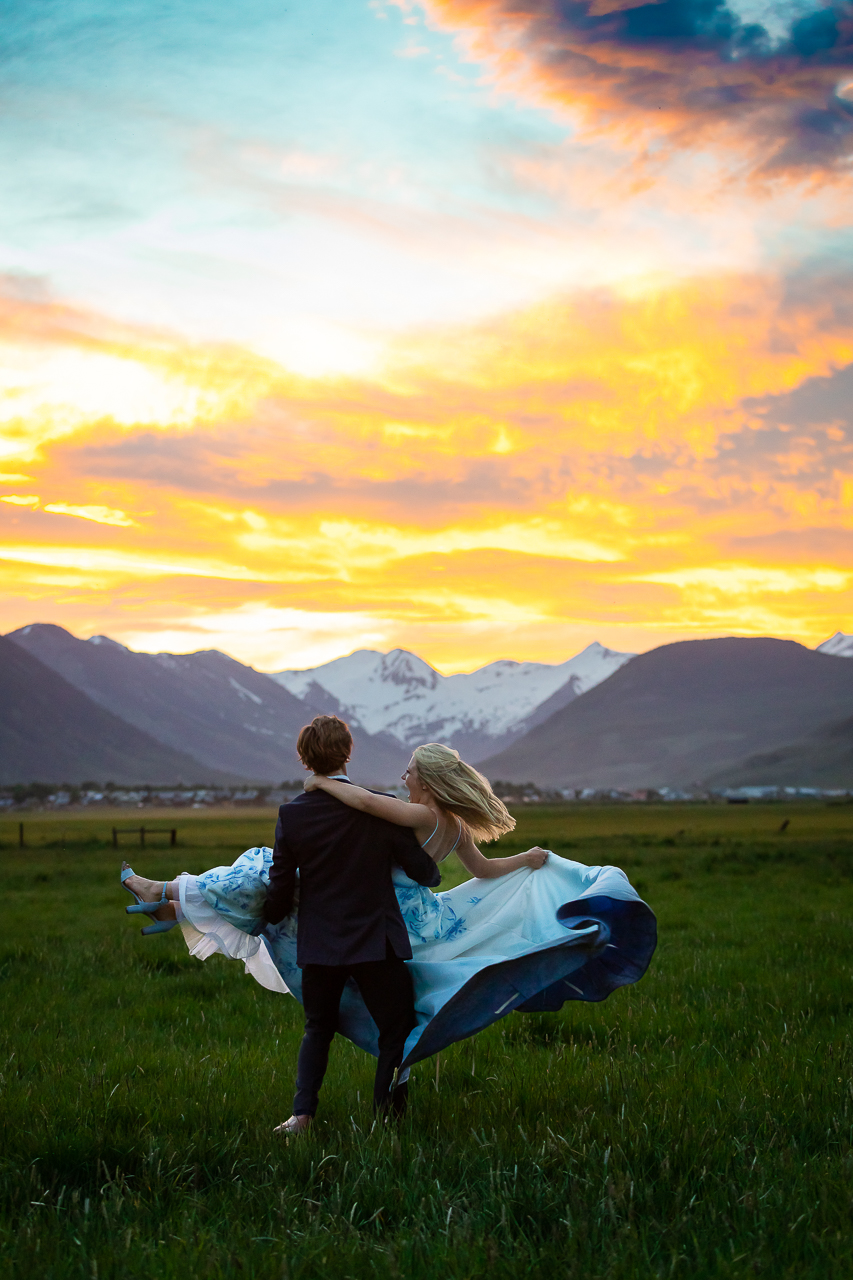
(535, 858)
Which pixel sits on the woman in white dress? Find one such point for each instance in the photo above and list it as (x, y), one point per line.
(527, 933)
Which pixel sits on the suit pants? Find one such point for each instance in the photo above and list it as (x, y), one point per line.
(386, 988)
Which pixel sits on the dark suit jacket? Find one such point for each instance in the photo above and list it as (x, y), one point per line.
(347, 904)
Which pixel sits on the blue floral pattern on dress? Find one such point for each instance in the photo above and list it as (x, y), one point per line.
(428, 916)
(458, 926)
(238, 893)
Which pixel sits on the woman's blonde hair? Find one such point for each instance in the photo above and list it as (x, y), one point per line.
(462, 790)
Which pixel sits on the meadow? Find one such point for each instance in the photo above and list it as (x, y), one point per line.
(698, 1123)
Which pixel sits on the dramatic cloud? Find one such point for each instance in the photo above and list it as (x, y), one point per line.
(601, 464)
(541, 335)
(694, 70)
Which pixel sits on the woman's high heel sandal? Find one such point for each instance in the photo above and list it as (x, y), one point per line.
(126, 873)
(159, 926)
(147, 908)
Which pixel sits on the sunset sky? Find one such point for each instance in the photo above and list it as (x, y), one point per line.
(484, 328)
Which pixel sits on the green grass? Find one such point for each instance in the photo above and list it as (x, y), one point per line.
(698, 1124)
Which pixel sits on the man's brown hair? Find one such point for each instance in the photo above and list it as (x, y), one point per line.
(325, 744)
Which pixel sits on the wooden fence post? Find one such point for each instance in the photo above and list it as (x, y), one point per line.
(171, 832)
(20, 835)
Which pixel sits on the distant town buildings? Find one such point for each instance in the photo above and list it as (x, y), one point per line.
(43, 796)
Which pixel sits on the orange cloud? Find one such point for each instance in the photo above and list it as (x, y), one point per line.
(633, 467)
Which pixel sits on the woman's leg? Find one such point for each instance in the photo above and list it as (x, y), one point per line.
(152, 891)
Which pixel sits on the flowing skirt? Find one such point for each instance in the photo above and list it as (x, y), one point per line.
(528, 941)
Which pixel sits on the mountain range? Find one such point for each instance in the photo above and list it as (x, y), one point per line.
(397, 693)
(697, 712)
(232, 720)
(50, 731)
(229, 718)
(720, 712)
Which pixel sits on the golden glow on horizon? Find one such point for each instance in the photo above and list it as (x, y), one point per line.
(594, 467)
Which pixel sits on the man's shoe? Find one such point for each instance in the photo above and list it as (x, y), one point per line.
(293, 1126)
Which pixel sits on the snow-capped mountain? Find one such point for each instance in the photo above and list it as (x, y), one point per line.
(479, 713)
(707, 712)
(838, 646)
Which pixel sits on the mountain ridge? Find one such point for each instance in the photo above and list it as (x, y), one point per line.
(52, 732)
(227, 716)
(682, 713)
(676, 715)
(477, 712)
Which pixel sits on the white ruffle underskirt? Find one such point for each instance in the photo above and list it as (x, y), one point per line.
(206, 933)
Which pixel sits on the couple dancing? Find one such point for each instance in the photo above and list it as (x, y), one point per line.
(341, 914)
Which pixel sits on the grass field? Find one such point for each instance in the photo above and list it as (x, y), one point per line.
(698, 1124)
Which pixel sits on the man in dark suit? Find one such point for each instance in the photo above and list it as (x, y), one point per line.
(349, 923)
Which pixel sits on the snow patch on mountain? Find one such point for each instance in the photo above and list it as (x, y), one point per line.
(478, 712)
(244, 692)
(837, 646)
(92, 639)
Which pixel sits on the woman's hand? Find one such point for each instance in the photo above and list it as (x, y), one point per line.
(535, 858)
(314, 782)
(490, 868)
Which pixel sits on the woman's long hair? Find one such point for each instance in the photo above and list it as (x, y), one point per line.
(462, 791)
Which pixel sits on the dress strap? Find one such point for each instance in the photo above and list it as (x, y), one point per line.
(429, 837)
(455, 842)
